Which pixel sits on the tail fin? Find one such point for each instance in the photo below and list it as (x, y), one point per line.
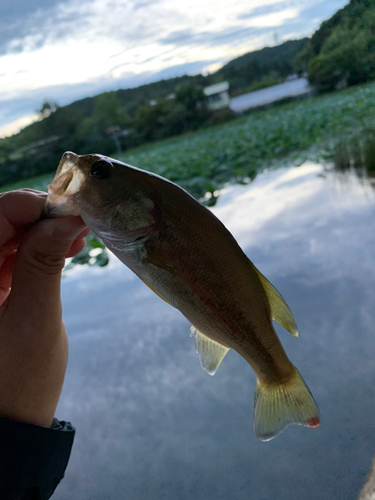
(276, 406)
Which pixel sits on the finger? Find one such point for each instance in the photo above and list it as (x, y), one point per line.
(18, 209)
(11, 245)
(4, 293)
(7, 263)
(85, 233)
(37, 271)
(6, 272)
(77, 246)
(35, 191)
(79, 243)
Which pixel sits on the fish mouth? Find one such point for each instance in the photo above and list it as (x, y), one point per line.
(67, 182)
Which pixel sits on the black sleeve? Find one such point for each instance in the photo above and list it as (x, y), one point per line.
(33, 459)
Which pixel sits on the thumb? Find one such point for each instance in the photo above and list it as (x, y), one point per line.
(39, 262)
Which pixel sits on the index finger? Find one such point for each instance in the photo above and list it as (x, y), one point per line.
(19, 209)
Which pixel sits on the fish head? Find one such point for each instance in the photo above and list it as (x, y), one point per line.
(111, 197)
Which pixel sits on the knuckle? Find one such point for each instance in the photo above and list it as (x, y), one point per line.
(41, 263)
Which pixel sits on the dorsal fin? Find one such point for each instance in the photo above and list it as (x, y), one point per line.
(280, 311)
(211, 353)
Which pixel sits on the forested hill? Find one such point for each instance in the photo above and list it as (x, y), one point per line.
(89, 124)
(342, 51)
(240, 73)
(279, 59)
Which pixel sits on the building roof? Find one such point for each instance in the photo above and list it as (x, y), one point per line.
(216, 89)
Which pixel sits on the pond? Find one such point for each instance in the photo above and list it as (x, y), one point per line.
(292, 88)
(151, 424)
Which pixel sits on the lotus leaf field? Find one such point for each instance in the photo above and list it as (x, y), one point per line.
(204, 161)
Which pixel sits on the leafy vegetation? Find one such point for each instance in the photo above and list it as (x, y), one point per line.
(94, 253)
(342, 51)
(168, 117)
(202, 162)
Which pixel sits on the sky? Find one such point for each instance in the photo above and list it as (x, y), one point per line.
(67, 50)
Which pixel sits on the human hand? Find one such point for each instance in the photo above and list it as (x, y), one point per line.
(33, 341)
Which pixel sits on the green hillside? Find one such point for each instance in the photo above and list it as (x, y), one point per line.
(277, 61)
(342, 51)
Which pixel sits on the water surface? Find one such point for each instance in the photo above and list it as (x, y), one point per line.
(151, 424)
(292, 88)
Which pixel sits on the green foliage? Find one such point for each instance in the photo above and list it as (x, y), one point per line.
(132, 99)
(342, 51)
(47, 109)
(221, 116)
(275, 63)
(107, 113)
(204, 161)
(94, 253)
(185, 111)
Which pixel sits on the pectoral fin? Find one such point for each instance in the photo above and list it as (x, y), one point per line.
(280, 311)
(211, 353)
(159, 260)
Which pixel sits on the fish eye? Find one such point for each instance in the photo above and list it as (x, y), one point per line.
(101, 169)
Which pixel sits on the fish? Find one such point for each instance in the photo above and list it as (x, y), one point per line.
(184, 254)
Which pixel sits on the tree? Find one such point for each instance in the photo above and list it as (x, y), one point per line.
(342, 50)
(47, 109)
(107, 114)
(186, 111)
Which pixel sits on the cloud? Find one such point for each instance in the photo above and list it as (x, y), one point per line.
(29, 27)
(263, 10)
(73, 48)
(22, 24)
(13, 111)
(209, 39)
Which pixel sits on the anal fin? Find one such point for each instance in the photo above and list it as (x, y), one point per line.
(280, 311)
(211, 353)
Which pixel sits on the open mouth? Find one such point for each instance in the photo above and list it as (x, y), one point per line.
(67, 182)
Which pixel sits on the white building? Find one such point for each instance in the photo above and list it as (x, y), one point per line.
(217, 95)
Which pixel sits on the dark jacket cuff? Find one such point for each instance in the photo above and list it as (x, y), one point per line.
(33, 459)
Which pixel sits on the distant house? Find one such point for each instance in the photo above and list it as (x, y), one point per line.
(217, 95)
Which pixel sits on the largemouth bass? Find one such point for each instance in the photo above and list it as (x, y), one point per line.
(185, 255)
